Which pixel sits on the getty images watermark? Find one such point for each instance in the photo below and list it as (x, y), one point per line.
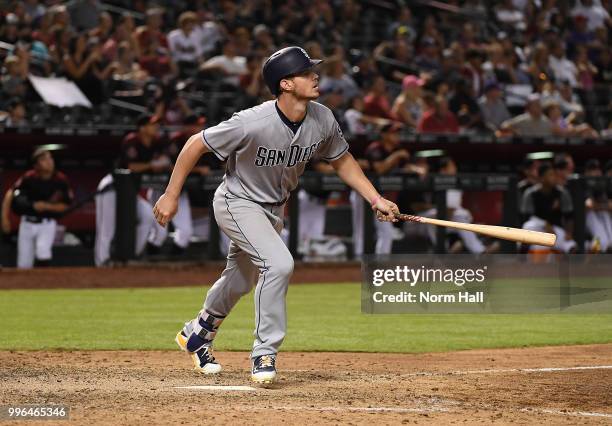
(413, 277)
(485, 284)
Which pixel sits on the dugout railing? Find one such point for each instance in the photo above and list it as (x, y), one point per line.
(128, 184)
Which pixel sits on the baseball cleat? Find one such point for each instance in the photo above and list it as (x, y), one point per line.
(203, 360)
(264, 370)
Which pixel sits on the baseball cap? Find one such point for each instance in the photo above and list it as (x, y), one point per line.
(412, 81)
(145, 119)
(41, 149)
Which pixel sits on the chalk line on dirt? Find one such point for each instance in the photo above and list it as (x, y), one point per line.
(218, 388)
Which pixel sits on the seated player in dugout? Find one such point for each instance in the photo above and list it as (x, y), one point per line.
(384, 156)
(548, 208)
(457, 213)
(40, 196)
(183, 221)
(141, 152)
(266, 148)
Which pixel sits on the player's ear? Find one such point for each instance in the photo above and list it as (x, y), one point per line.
(286, 85)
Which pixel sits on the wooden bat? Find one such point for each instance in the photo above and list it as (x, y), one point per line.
(503, 232)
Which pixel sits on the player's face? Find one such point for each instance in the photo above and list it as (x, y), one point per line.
(306, 85)
(45, 163)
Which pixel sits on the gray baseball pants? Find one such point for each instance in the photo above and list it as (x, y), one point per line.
(257, 256)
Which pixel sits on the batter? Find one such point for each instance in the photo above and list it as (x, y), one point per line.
(266, 148)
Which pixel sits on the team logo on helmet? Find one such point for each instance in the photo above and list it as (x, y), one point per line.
(304, 52)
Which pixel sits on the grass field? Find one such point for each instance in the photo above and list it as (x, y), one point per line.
(322, 317)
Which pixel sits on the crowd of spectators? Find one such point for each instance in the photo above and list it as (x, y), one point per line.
(471, 67)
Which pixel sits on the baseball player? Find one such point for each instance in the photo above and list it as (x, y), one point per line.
(140, 152)
(266, 148)
(39, 196)
(183, 224)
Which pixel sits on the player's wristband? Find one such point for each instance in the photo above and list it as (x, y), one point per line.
(375, 200)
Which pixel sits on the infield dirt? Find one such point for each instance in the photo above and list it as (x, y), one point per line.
(479, 386)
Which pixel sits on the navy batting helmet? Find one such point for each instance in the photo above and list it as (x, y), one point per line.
(284, 63)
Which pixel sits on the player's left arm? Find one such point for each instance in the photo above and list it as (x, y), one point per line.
(350, 172)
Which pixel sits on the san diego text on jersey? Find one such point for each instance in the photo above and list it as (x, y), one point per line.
(267, 157)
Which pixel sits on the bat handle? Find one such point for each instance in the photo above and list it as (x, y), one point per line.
(408, 217)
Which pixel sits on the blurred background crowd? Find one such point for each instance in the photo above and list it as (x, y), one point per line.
(464, 66)
(393, 71)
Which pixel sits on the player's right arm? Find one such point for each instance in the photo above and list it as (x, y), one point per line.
(167, 205)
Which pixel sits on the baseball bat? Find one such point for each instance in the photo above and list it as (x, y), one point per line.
(503, 232)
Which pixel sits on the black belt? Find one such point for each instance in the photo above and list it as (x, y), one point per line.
(36, 219)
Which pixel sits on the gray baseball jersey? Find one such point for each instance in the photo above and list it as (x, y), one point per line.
(264, 157)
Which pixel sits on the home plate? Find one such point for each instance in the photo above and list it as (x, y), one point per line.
(218, 388)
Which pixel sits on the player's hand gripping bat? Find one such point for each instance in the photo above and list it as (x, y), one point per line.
(503, 232)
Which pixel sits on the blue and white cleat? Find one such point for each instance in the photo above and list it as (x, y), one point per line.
(264, 370)
(203, 360)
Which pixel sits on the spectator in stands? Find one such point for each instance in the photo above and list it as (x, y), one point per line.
(60, 17)
(457, 213)
(438, 119)
(408, 106)
(597, 16)
(562, 68)
(155, 60)
(334, 77)
(14, 82)
(403, 26)
(263, 42)
(84, 65)
(501, 65)
(586, 71)
(473, 72)
(393, 59)
(563, 126)
(124, 31)
(15, 116)
(376, 101)
(364, 72)
(539, 67)
(42, 194)
(568, 100)
(510, 17)
(598, 215)
(185, 43)
(104, 28)
(151, 29)
(531, 123)
(252, 81)
(580, 36)
(127, 71)
(430, 30)
(228, 64)
(428, 59)
(548, 207)
(464, 107)
(9, 32)
(604, 68)
(492, 107)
